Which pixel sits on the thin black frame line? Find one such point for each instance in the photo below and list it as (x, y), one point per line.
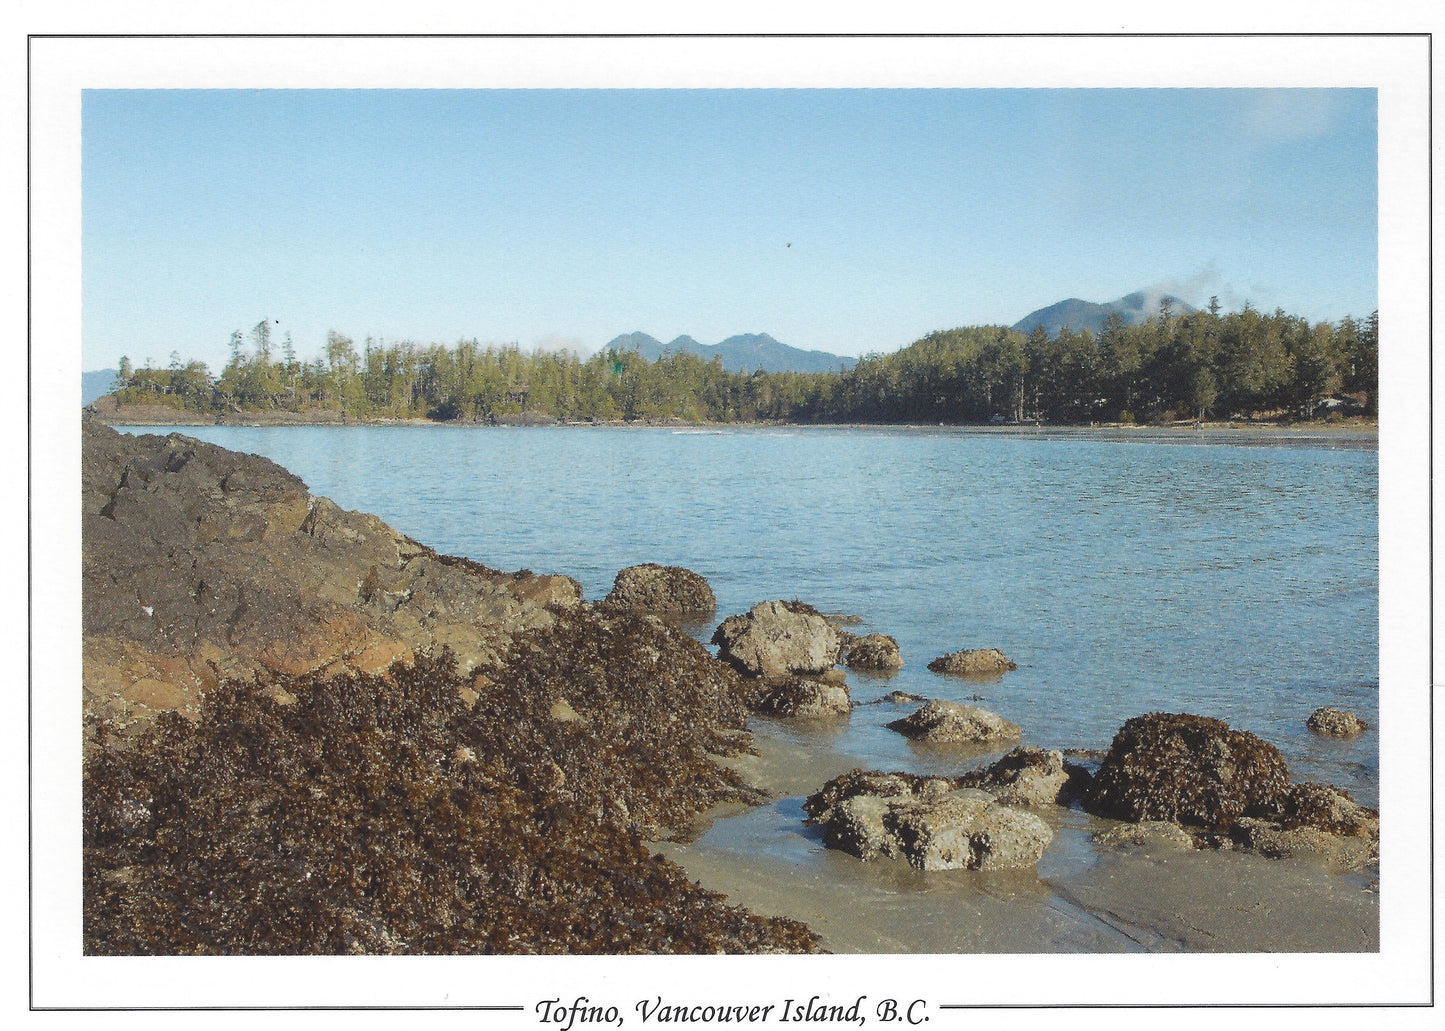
(735, 35)
(29, 437)
(270, 1009)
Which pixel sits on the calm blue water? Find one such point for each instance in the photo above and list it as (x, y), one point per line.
(1123, 575)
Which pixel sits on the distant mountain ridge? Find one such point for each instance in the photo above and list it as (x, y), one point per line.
(95, 385)
(746, 352)
(1080, 315)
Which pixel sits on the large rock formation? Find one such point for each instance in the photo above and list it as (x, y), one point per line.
(776, 639)
(665, 590)
(947, 723)
(199, 563)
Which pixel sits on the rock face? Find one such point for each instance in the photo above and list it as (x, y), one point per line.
(1190, 769)
(1335, 722)
(873, 652)
(665, 590)
(1031, 776)
(929, 821)
(776, 639)
(199, 564)
(801, 698)
(976, 662)
(942, 722)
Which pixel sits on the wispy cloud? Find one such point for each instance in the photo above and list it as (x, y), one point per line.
(1290, 115)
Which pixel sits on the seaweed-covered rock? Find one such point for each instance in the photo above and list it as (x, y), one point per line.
(776, 639)
(973, 662)
(1192, 769)
(942, 722)
(1030, 775)
(1331, 722)
(666, 590)
(801, 698)
(1318, 820)
(874, 652)
(373, 814)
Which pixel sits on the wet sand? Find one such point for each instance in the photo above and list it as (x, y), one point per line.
(1082, 897)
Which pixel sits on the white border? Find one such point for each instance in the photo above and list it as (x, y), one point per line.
(61, 68)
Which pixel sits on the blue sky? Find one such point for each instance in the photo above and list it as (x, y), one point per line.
(842, 220)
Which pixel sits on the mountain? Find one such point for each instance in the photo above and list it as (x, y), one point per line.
(746, 352)
(96, 384)
(1080, 315)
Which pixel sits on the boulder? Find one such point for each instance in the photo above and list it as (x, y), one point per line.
(1318, 820)
(943, 722)
(874, 652)
(1030, 775)
(776, 639)
(966, 830)
(1190, 769)
(801, 698)
(928, 821)
(667, 590)
(974, 662)
(1331, 722)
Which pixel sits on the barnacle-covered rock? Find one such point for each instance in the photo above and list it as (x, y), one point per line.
(873, 652)
(776, 639)
(943, 722)
(1331, 722)
(666, 590)
(803, 698)
(1191, 769)
(1030, 775)
(973, 662)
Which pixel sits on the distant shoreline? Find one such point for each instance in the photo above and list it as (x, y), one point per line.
(157, 415)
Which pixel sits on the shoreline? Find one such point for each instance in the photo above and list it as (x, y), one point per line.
(156, 416)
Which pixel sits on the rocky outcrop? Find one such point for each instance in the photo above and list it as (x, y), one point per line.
(805, 698)
(928, 821)
(199, 564)
(974, 662)
(872, 652)
(1032, 776)
(1330, 722)
(776, 639)
(665, 590)
(1191, 769)
(941, 722)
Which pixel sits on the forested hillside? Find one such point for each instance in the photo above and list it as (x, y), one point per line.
(1200, 365)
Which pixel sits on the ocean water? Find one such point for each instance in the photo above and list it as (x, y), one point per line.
(1223, 573)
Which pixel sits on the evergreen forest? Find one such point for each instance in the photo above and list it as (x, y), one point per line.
(1168, 368)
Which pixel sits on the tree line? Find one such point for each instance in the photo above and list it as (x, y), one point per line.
(1171, 367)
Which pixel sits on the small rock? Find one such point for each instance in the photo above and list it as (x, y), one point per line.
(874, 651)
(1030, 775)
(973, 662)
(670, 590)
(952, 722)
(1335, 722)
(802, 698)
(1150, 834)
(967, 830)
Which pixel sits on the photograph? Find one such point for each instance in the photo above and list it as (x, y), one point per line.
(863, 499)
